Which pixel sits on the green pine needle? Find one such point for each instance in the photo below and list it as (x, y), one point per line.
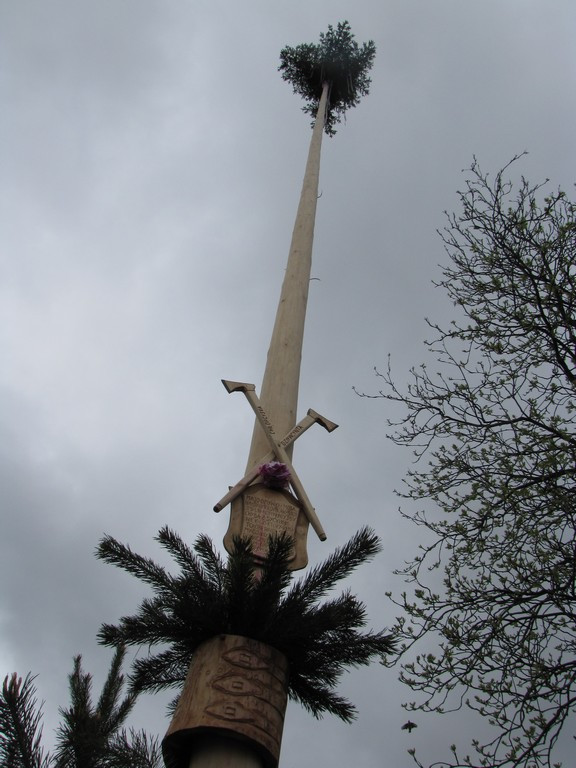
(20, 725)
(210, 597)
(338, 60)
(89, 736)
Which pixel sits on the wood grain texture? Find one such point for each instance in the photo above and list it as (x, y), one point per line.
(235, 691)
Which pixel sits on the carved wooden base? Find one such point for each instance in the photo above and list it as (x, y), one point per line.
(236, 689)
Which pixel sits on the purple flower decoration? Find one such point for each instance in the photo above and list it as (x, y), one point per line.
(274, 474)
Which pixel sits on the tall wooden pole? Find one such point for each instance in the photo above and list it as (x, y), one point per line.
(231, 711)
(279, 391)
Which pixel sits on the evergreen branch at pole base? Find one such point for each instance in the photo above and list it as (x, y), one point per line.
(209, 597)
(361, 548)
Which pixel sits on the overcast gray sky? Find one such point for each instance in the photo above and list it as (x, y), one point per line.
(151, 160)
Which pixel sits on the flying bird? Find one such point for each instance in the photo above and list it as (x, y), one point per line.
(409, 726)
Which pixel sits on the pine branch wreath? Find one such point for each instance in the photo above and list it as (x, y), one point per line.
(210, 597)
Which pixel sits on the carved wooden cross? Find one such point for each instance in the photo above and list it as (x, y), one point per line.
(278, 450)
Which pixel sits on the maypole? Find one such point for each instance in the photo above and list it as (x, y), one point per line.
(279, 393)
(260, 509)
(236, 638)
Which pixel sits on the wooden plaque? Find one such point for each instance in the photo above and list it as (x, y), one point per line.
(261, 512)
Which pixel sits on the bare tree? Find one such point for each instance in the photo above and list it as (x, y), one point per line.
(492, 424)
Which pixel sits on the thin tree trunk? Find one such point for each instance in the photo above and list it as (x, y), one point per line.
(279, 392)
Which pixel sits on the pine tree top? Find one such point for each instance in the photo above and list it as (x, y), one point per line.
(337, 60)
(90, 735)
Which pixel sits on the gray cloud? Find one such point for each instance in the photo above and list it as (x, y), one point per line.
(152, 159)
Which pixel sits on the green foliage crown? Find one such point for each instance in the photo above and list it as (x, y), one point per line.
(337, 60)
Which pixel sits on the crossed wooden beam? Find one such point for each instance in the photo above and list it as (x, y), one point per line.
(278, 451)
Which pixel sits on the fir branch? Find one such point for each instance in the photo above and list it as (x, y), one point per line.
(21, 725)
(87, 732)
(133, 749)
(88, 736)
(361, 548)
(319, 641)
(144, 569)
(337, 60)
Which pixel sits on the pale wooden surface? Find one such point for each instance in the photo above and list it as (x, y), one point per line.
(268, 430)
(275, 511)
(311, 418)
(215, 752)
(235, 690)
(279, 392)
